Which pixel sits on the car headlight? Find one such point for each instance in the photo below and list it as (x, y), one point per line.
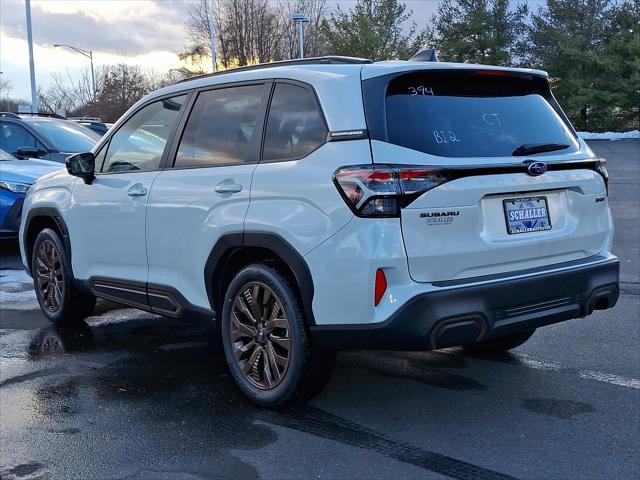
(15, 187)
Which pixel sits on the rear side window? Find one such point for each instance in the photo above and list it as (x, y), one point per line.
(472, 114)
(221, 127)
(295, 127)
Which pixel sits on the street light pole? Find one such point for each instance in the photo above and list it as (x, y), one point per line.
(301, 38)
(212, 35)
(300, 19)
(93, 75)
(32, 72)
(89, 55)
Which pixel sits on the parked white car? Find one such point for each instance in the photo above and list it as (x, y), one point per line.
(333, 203)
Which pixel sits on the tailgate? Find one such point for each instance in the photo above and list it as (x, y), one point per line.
(460, 229)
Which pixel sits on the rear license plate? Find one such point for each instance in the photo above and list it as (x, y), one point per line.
(526, 214)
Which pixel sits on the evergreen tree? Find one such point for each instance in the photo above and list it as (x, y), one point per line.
(621, 68)
(478, 31)
(568, 38)
(376, 29)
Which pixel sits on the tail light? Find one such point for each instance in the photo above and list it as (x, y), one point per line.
(382, 190)
(601, 168)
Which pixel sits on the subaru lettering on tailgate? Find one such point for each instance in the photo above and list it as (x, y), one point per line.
(529, 214)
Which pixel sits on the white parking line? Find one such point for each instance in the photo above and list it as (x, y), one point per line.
(587, 374)
(610, 378)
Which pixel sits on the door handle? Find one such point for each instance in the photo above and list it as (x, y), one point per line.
(137, 190)
(223, 187)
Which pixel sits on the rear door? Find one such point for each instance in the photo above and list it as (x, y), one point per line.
(494, 215)
(204, 192)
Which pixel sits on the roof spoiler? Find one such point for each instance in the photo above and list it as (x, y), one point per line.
(426, 55)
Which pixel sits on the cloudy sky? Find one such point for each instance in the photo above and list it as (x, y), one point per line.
(145, 32)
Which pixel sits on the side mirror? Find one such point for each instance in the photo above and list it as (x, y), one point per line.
(29, 152)
(82, 165)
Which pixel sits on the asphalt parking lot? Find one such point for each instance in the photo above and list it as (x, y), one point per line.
(129, 395)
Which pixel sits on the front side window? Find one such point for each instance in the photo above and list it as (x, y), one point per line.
(295, 127)
(139, 143)
(221, 127)
(13, 137)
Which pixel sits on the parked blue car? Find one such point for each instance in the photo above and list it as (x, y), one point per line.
(16, 176)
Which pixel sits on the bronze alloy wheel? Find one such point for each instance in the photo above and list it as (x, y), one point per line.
(259, 330)
(50, 276)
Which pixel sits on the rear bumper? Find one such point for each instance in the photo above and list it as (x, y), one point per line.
(467, 314)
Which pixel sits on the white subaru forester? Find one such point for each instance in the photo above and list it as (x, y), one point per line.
(332, 203)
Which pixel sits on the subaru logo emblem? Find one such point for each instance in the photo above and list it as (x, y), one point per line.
(536, 168)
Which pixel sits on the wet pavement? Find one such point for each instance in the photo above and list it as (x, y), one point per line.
(130, 395)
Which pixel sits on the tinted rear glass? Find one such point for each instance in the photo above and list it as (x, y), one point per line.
(295, 127)
(472, 114)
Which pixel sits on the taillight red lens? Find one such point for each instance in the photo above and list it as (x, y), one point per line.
(380, 287)
(381, 190)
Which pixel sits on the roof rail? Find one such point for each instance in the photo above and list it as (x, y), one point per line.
(426, 55)
(43, 114)
(8, 115)
(326, 60)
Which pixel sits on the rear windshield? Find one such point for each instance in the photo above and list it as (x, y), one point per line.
(473, 114)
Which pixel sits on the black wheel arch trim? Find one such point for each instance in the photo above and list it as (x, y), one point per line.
(227, 244)
(55, 215)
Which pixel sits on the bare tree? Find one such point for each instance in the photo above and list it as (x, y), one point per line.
(314, 40)
(118, 88)
(251, 31)
(65, 95)
(5, 87)
(248, 32)
(122, 86)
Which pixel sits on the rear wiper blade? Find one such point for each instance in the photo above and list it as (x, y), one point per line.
(533, 148)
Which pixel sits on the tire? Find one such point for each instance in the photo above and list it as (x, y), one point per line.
(260, 292)
(64, 304)
(500, 344)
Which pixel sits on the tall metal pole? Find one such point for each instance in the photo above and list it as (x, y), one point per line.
(212, 35)
(300, 19)
(93, 75)
(32, 72)
(301, 23)
(89, 55)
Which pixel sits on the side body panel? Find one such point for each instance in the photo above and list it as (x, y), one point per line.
(298, 200)
(343, 270)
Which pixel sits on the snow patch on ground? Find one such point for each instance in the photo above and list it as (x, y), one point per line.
(16, 288)
(609, 135)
